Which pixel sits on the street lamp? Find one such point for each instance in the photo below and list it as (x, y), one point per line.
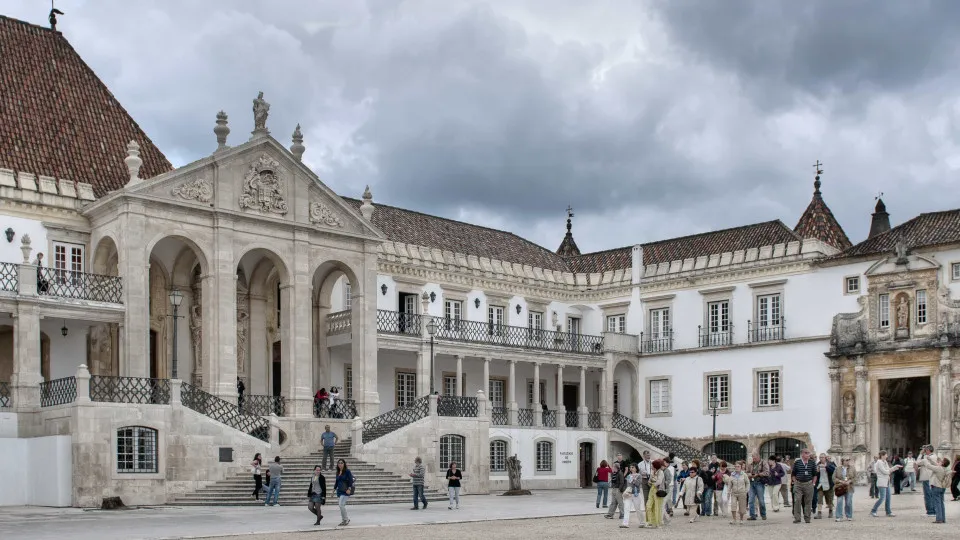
(176, 297)
(714, 405)
(432, 330)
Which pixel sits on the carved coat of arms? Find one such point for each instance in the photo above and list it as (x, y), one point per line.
(262, 188)
(321, 214)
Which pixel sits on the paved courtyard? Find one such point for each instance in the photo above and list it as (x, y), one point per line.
(551, 514)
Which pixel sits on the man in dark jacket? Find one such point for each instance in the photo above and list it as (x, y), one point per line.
(708, 474)
(618, 483)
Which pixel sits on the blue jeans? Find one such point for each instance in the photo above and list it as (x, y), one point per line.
(343, 507)
(756, 498)
(883, 497)
(603, 489)
(911, 480)
(927, 499)
(936, 496)
(845, 502)
(707, 505)
(273, 490)
(418, 496)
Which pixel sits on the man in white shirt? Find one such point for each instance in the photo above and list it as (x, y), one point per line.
(926, 454)
(883, 471)
(910, 472)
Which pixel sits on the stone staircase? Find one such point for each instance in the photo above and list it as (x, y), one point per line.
(654, 438)
(373, 484)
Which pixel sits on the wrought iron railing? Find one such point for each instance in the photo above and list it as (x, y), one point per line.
(259, 405)
(657, 342)
(397, 322)
(341, 408)
(655, 438)
(459, 406)
(110, 389)
(339, 322)
(721, 338)
(9, 277)
(517, 336)
(224, 412)
(525, 417)
(572, 418)
(80, 285)
(550, 419)
(593, 420)
(766, 332)
(6, 399)
(58, 392)
(499, 417)
(391, 421)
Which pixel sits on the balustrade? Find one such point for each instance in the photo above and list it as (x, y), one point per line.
(58, 392)
(9, 277)
(6, 399)
(259, 405)
(339, 322)
(525, 417)
(129, 390)
(499, 416)
(766, 332)
(79, 285)
(459, 406)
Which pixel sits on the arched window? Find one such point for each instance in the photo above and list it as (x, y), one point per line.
(544, 456)
(729, 451)
(137, 450)
(498, 456)
(452, 450)
(782, 447)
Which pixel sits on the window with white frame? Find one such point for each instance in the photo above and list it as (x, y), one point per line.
(616, 397)
(348, 381)
(543, 394)
(718, 388)
(921, 307)
(573, 325)
(768, 310)
(452, 451)
(406, 388)
(718, 317)
(617, 324)
(347, 296)
(884, 309)
(68, 257)
(659, 396)
(495, 320)
(496, 392)
(851, 285)
(535, 324)
(137, 450)
(659, 323)
(449, 385)
(955, 271)
(498, 455)
(544, 456)
(768, 388)
(452, 314)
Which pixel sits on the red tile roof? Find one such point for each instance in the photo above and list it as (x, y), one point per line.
(817, 221)
(930, 229)
(57, 118)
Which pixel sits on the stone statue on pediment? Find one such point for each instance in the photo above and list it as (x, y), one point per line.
(261, 109)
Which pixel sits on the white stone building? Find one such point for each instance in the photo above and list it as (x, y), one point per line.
(121, 351)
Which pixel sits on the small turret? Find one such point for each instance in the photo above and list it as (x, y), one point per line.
(881, 219)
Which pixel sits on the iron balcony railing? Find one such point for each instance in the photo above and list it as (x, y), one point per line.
(459, 406)
(339, 322)
(9, 277)
(517, 336)
(525, 417)
(341, 408)
(572, 418)
(716, 338)
(79, 285)
(6, 399)
(499, 416)
(656, 342)
(397, 322)
(766, 332)
(259, 405)
(654, 438)
(550, 419)
(224, 412)
(109, 389)
(391, 421)
(58, 392)
(593, 420)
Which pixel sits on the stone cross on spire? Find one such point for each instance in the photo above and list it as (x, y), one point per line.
(816, 179)
(568, 248)
(569, 218)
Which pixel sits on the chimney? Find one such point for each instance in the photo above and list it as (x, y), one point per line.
(881, 220)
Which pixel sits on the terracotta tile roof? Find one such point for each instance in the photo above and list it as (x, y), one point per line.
(412, 227)
(57, 118)
(709, 243)
(817, 221)
(602, 261)
(930, 229)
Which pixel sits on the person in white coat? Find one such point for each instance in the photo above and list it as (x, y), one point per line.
(883, 471)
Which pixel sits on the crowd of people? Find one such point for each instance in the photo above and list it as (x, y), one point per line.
(809, 486)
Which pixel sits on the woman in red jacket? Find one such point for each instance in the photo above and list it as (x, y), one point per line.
(602, 479)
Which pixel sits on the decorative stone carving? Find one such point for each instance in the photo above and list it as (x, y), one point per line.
(200, 189)
(321, 214)
(25, 248)
(243, 320)
(901, 250)
(848, 328)
(262, 188)
(849, 408)
(196, 329)
(956, 406)
(297, 147)
(903, 317)
(261, 109)
(133, 162)
(221, 130)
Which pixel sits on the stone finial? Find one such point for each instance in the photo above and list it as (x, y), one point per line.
(221, 130)
(133, 162)
(297, 147)
(261, 109)
(25, 248)
(366, 208)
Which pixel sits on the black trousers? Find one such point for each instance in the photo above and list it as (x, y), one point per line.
(257, 485)
(955, 486)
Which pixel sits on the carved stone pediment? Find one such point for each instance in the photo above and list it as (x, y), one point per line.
(263, 188)
(200, 190)
(322, 214)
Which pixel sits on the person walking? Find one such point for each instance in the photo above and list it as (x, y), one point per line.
(910, 472)
(824, 490)
(646, 470)
(454, 475)
(630, 494)
(417, 475)
(883, 484)
(844, 477)
(257, 475)
(618, 483)
(774, 482)
(786, 464)
(273, 489)
(926, 454)
(657, 494)
(722, 491)
(343, 486)
(603, 482)
(955, 482)
(317, 493)
(872, 469)
(758, 471)
(328, 441)
(692, 493)
(710, 487)
(939, 479)
(898, 476)
(739, 484)
(804, 475)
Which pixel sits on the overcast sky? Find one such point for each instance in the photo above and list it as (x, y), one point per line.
(653, 119)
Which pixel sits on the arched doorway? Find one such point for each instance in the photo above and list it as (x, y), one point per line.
(103, 341)
(782, 447)
(729, 451)
(261, 322)
(337, 309)
(586, 464)
(625, 388)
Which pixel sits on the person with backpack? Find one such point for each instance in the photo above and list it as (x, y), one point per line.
(774, 481)
(317, 493)
(344, 487)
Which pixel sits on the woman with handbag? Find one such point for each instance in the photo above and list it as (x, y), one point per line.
(602, 479)
(257, 476)
(657, 495)
(739, 486)
(343, 486)
(691, 493)
(630, 494)
(317, 493)
(843, 478)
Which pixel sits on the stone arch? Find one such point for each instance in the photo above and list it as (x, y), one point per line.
(625, 371)
(326, 274)
(106, 256)
(729, 451)
(260, 274)
(158, 306)
(267, 252)
(203, 255)
(782, 446)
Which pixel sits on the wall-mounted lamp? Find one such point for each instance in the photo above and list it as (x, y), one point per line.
(476, 302)
(64, 331)
(383, 289)
(9, 232)
(433, 296)
(519, 309)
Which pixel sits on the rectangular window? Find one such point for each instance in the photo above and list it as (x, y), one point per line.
(408, 322)
(452, 313)
(617, 324)
(768, 388)
(921, 307)
(496, 392)
(544, 456)
(348, 381)
(137, 450)
(498, 456)
(659, 323)
(616, 397)
(852, 285)
(718, 388)
(768, 310)
(449, 385)
(535, 324)
(573, 325)
(543, 394)
(68, 257)
(406, 388)
(955, 271)
(884, 311)
(495, 320)
(718, 314)
(659, 396)
(452, 451)
(347, 296)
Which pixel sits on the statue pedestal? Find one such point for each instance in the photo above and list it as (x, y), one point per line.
(517, 492)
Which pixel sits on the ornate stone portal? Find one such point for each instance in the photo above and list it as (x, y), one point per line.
(263, 188)
(243, 326)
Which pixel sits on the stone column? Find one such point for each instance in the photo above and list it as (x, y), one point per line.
(459, 389)
(537, 409)
(605, 394)
(836, 411)
(584, 410)
(423, 371)
(486, 384)
(260, 353)
(82, 378)
(561, 412)
(220, 372)
(322, 369)
(296, 351)
(364, 330)
(861, 416)
(133, 268)
(512, 394)
(944, 376)
(26, 376)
